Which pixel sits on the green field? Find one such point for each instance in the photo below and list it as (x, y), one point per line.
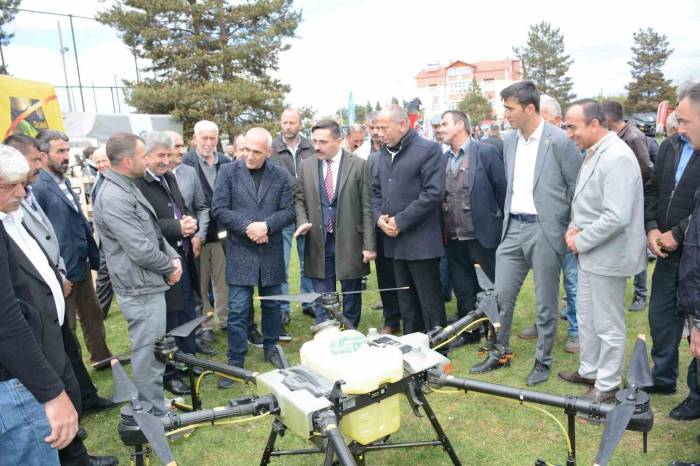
(484, 430)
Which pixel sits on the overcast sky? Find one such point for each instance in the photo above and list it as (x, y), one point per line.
(375, 48)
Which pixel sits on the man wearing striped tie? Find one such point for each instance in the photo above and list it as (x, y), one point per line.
(332, 205)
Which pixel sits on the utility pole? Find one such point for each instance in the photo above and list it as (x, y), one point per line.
(77, 65)
(63, 51)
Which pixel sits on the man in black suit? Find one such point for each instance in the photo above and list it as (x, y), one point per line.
(160, 188)
(475, 189)
(42, 298)
(407, 191)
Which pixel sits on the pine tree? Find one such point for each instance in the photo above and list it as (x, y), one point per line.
(8, 10)
(545, 63)
(475, 104)
(210, 59)
(649, 86)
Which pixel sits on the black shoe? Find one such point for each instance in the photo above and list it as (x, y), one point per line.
(638, 304)
(307, 311)
(177, 387)
(197, 371)
(81, 434)
(207, 335)
(538, 374)
(225, 382)
(688, 410)
(275, 356)
(661, 389)
(205, 348)
(101, 461)
(255, 339)
(100, 404)
(492, 362)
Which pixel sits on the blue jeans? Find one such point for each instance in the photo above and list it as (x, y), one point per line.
(23, 427)
(305, 283)
(569, 267)
(239, 302)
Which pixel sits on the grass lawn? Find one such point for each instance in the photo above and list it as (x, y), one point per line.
(484, 430)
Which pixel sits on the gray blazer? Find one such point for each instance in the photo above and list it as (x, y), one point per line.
(40, 227)
(608, 209)
(556, 167)
(193, 194)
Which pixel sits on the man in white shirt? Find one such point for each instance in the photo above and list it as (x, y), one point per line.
(541, 168)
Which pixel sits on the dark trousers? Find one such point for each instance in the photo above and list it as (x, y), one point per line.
(462, 255)
(103, 286)
(385, 279)
(83, 302)
(352, 303)
(88, 391)
(666, 321)
(422, 306)
(175, 318)
(445, 277)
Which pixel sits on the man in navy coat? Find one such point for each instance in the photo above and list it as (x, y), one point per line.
(253, 201)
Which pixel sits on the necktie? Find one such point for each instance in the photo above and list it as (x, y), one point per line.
(186, 242)
(329, 192)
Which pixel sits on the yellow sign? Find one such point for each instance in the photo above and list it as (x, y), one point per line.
(27, 107)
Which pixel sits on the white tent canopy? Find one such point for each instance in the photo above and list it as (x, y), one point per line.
(96, 128)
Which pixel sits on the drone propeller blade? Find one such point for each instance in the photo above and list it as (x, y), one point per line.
(300, 298)
(124, 388)
(484, 281)
(615, 424)
(638, 373)
(490, 307)
(154, 432)
(187, 328)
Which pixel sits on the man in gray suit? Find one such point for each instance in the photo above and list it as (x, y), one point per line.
(607, 234)
(541, 168)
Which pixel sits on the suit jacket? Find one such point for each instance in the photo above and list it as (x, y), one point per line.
(193, 195)
(40, 227)
(497, 143)
(411, 188)
(354, 230)
(236, 204)
(156, 195)
(487, 191)
(556, 167)
(282, 157)
(608, 209)
(192, 159)
(72, 228)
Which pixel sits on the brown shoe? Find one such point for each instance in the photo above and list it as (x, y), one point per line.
(390, 331)
(593, 394)
(574, 377)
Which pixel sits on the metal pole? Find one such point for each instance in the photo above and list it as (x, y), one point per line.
(111, 92)
(94, 95)
(63, 51)
(2, 57)
(136, 65)
(77, 65)
(116, 88)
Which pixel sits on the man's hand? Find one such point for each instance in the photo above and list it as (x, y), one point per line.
(256, 231)
(196, 246)
(667, 242)
(387, 225)
(368, 256)
(652, 242)
(695, 341)
(63, 419)
(67, 286)
(570, 238)
(302, 230)
(391, 221)
(175, 275)
(263, 240)
(188, 226)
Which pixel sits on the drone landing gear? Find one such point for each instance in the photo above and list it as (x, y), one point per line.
(359, 451)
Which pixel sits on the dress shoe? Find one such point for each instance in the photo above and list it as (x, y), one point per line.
(177, 387)
(688, 410)
(390, 330)
(225, 382)
(574, 377)
(255, 339)
(207, 335)
(273, 356)
(101, 460)
(107, 364)
(638, 305)
(492, 362)
(307, 311)
(205, 347)
(661, 389)
(571, 345)
(538, 374)
(599, 396)
(563, 312)
(100, 404)
(529, 333)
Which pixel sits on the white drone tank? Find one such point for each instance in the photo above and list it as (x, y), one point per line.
(346, 355)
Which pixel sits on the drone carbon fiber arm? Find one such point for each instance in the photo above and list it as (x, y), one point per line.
(247, 406)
